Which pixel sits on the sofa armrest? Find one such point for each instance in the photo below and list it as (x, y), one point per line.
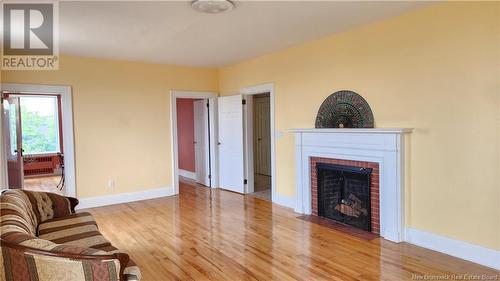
(73, 202)
(98, 267)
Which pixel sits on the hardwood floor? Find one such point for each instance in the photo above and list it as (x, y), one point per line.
(262, 187)
(46, 183)
(205, 234)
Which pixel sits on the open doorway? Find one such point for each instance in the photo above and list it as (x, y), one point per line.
(62, 128)
(33, 143)
(193, 138)
(262, 146)
(246, 162)
(257, 120)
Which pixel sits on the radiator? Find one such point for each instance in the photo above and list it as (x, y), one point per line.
(40, 165)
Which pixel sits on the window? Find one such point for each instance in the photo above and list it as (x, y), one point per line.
(40, 124)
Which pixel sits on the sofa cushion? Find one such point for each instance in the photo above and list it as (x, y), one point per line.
(76, 229)
(48, 205)
(46, 245)
(43, 205)
(68, 230)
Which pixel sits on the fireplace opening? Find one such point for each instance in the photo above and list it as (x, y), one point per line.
(344, 194)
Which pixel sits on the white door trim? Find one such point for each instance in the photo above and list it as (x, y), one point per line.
(261, 89)
(67, 124)
(213, 136)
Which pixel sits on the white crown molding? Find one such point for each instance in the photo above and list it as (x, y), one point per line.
(99, 201)
(460, 249)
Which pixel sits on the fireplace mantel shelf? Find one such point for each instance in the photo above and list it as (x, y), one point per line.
(354, 130)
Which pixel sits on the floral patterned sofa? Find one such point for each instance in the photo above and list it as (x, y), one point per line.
(42, 238)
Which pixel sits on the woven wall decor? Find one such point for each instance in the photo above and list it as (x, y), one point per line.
(344, 109)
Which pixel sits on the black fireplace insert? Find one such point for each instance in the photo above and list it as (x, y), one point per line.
(344, 194)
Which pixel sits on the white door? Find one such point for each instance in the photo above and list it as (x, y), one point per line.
(201, 146)
(231, 168)
(262, 135)
(12, 139)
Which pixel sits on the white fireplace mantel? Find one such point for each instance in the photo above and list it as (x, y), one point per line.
(384, 146)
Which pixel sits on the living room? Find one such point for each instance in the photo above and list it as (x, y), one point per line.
(400, 97)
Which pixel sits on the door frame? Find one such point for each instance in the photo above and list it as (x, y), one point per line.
(212, 100)
(255, 90)
(67, 126)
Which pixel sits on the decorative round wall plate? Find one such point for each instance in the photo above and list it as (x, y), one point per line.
(344, 109)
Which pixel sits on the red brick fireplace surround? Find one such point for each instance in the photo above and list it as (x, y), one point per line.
(374, 186)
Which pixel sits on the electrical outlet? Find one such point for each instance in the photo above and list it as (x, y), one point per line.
(111, 183)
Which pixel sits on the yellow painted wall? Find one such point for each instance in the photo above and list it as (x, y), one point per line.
(435, 70)
(121, 118)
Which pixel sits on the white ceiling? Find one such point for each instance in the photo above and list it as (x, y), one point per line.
(173, 33)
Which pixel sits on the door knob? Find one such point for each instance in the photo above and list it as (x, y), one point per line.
(219, 143)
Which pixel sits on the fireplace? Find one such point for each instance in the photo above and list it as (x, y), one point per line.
(344, 194)
(344, 134)
(380, 149)
(355, 182)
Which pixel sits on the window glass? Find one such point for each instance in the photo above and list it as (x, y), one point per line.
(40, 125)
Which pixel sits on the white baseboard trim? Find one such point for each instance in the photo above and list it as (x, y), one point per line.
(92, 202)
(285, 201)
(460, 249)
(187, 174)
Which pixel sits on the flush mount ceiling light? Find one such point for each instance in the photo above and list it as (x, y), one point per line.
(212, 6)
